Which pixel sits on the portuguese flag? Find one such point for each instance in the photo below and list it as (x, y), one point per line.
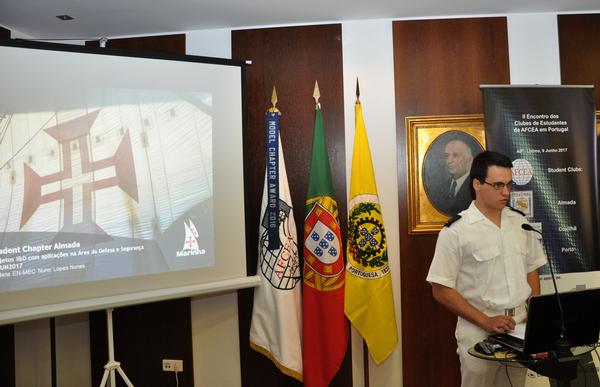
(325, 328)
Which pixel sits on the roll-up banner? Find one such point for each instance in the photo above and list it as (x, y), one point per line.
(550, 135)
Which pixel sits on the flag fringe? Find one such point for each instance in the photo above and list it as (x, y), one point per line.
(289, 372)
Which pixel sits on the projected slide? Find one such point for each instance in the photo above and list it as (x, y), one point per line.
(120, 186)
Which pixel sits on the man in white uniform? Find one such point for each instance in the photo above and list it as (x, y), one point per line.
(485, 268)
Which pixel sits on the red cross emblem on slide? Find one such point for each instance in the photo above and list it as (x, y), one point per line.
(190, 242)
(76, 178)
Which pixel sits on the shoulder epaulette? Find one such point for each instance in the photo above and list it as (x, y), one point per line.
(515, 210)
(452, 220)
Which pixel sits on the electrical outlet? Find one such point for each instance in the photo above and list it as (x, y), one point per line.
(172, 365)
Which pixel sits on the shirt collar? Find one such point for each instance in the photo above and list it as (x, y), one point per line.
(474, 215)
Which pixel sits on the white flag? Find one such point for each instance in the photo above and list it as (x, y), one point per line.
(276, 328)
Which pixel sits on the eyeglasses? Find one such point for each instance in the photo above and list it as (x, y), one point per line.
(499, 186)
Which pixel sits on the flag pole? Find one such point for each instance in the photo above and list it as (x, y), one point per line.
(272, 150)
(365, 347)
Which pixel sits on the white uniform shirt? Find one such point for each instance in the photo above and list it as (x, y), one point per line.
(487, 264)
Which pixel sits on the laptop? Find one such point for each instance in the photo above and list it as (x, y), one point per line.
(582, 322)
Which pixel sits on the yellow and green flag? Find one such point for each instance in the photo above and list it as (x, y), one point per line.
(369, 300)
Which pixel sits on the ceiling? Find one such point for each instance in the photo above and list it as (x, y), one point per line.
(113, 18)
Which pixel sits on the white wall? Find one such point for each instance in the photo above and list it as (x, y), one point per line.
(215, 341)
(73, 366)
(32, 354)
(533, 49)
(215, 43)
(368, 55)
(215, 338)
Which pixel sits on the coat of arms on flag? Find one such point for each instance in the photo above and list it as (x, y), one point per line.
(367, 248)
(323, 247)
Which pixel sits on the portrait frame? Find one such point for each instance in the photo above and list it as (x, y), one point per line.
(423, 134)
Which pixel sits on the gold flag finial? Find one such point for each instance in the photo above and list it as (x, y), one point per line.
(357, 91)
(273, 108)
(317, 95)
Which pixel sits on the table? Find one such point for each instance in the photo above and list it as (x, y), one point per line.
(563, 369)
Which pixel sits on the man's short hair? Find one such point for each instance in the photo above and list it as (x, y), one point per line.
(482, 162)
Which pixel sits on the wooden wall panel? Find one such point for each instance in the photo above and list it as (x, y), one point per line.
(438, 67)
(146, 334)
(291, 59)
(579, 45)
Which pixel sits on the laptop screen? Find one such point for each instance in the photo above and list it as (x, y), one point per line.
(582, 320)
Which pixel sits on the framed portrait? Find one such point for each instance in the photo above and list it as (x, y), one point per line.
(440, 152)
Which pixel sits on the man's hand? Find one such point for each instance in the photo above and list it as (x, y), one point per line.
(451, 299)
(498, 324)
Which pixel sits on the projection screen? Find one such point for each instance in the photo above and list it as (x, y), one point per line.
(121, 179)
